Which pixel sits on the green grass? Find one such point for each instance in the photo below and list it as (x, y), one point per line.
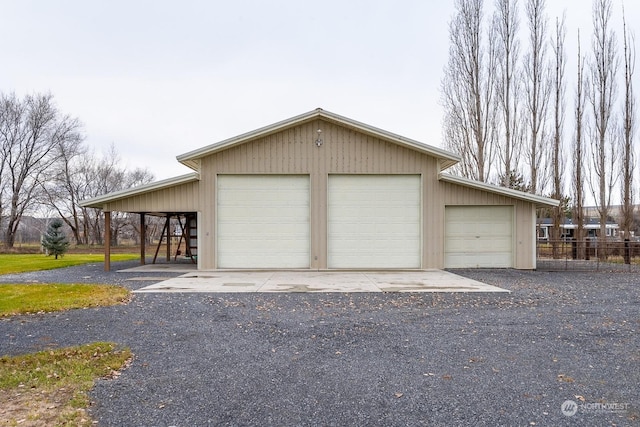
(22, 263)
(50, 387)
(34, 298)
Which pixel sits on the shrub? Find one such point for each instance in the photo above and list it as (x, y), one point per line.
(54, 240)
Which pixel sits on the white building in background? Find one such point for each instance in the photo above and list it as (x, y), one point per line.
(568, 228)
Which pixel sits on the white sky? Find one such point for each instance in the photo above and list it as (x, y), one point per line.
(159, 78)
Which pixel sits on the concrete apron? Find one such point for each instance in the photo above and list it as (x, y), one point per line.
(316, 281)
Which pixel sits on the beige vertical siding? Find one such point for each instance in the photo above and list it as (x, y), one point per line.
(293, 151)
(183, 196)
(345, 151)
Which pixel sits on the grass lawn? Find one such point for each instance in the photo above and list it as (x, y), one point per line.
(22, 263)
(50, 387)
(34, 298)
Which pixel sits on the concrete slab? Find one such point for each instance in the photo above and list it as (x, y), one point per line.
(161, 268)
(319, 281)
(288, 281)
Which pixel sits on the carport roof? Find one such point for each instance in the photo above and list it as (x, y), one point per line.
(99, 202)
(192, 158)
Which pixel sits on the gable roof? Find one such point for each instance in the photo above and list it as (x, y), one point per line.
(539, 201)
(98, 202)
(192, 158)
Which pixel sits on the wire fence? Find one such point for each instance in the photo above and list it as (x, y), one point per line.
(588, 255)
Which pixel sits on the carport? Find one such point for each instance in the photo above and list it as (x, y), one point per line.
(170, 198)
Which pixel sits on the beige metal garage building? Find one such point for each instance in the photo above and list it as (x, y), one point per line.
(321, 191)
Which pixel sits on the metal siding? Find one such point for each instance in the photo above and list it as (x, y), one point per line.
(181, 198)
(345, 151)
(293, 151)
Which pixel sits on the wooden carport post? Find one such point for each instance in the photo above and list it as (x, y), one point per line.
(168, 237)
(107, 241)
(143, 238)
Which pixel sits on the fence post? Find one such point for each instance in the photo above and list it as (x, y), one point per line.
(627, 252)
(587, 247)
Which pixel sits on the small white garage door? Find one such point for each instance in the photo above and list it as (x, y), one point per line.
(478, 236)
(374, 221)
(263, 221)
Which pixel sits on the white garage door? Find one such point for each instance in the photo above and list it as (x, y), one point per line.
(374, 221)
(478, 236)
(263, 221)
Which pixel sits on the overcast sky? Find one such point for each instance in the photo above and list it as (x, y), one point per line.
(160, 78)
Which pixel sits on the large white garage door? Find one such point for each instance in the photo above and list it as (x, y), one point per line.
(374, 221)
(263, 221)
(478, 236)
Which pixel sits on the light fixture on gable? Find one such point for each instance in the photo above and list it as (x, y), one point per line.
(319, 140)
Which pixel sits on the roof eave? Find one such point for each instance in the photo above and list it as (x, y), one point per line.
(193, 164)
(538, 201)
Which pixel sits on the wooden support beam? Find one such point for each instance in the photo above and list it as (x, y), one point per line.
(166, 225)
(107, 241)
(143, 238)
(168, 237)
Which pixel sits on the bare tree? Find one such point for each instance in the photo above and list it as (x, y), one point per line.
(86, 186)
(95, 175)
(468, 91)
(506, 24)
(557, 155)
(578, 154)
(602, 95)
(628, 129)
(61, 190)
(80, 174)
(3, 180)
(538, 91)
(30, 131)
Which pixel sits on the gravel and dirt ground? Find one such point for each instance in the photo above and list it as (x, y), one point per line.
(361, 359)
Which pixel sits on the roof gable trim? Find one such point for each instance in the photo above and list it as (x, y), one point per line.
(191, 158)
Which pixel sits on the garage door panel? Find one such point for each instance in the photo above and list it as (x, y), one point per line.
(461, 260)
(478, 236)
(263, 221)
(374, 221)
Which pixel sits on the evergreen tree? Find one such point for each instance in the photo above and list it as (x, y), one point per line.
(54, 240)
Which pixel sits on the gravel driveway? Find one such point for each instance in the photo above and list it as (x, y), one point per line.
(362, 359)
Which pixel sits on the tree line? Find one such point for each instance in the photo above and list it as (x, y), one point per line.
(47, 168)
(506, 105)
